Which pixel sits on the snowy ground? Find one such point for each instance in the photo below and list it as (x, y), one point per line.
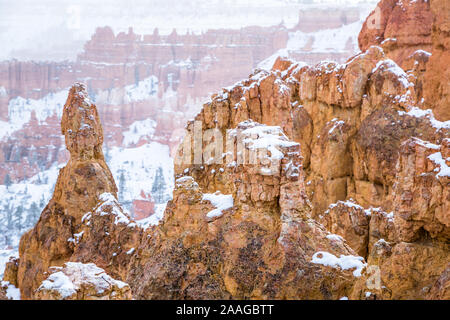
(339, 40)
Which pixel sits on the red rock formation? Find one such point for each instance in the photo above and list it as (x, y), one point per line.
(262, 246)
(350, 221)
(143, 207)
(399, 27)
(353, 129)
(261, 207)
(81, 185)
(437, 77)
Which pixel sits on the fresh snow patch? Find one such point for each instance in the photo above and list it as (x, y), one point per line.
(60, 282)
(75, 274)
(444, 169)
(424, 52)
(12, 292)
(137, 130)
(348, 203)
(336, 124)
(381, 241)
(143, 90)
(138, 169)
(108, 199)
(335, 237)
(426, 144)
(428, 113)
(259, 136)
(20, 110)
(390, 66)
(220, 201)
(327, 40)
(344, 262)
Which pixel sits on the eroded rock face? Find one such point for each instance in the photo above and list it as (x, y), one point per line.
(399, 27)
(3, 294)
(437, 76)
(107, 237)
(350, 221)
(260, 246)
(356, 124)
(421, 195)
(79, 189)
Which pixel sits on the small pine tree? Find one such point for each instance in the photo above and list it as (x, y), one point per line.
(159, 186)
(7, 181)
(136, 76)
(42, 203)
(107, 154)
(32, 216)
(9, 218)
(17, 219)
(121, 185)
(153, 84)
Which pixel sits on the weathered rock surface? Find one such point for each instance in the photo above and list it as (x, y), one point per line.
(78, 281)
(350, 221)
(260, 247)
(357, 125)
(399, 27)
(79, 189)
(3, 294)
(437, 76)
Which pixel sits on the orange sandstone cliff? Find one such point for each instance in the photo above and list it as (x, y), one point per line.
(347, 194)
(85, 190)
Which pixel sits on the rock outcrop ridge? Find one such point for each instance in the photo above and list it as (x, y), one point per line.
(83, 184)
(303, 182)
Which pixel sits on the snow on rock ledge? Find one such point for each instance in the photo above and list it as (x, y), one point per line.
(9, 290)
(264, 146)
(344, 262)
(220, 201)
(78, 281)
(109, 205)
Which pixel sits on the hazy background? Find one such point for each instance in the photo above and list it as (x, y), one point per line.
(57, 29)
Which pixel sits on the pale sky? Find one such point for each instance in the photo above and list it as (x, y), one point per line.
(57, 29)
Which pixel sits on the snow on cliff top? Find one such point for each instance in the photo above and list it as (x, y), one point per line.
(261, 136)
